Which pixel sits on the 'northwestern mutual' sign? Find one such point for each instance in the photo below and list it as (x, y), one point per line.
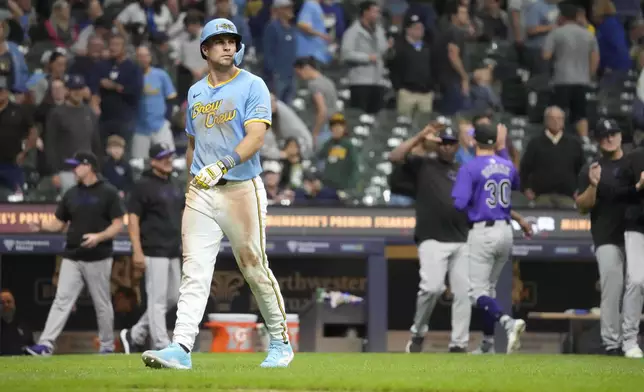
(381, 222)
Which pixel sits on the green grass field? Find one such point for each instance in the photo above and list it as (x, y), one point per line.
(327, 372)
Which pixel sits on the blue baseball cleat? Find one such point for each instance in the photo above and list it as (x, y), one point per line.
(39, 350)
(280, 354)
(171, 357)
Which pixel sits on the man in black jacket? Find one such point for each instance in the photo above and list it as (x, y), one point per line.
(92, 212)
(410, 70)
(550, 164)
(155, 209)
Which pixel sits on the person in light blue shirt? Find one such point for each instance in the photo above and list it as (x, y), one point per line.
(219, 124)
(312, 37)
(540, 17)
(152, 126)
(279, 51)
(228, 115)
(466, 150)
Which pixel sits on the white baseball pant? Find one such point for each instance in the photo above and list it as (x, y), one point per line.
(436, 260)
(73, 276)
(489, 248)
(610, 262)
(237, 210)
(634, 292)
(162, 277)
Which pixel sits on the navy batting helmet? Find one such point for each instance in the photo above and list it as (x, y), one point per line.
(606, 127)
(221, 26)
(485, 134)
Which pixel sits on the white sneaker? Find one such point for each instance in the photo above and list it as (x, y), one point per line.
(634, 353)
(514, 329)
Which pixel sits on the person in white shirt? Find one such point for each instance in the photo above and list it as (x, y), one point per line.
(153, 14)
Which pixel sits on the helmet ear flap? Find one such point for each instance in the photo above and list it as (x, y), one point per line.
(239, 55)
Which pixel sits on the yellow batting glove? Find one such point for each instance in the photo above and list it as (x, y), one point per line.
(210, 175)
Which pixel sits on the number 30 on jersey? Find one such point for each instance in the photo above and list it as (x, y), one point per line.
(499, 193)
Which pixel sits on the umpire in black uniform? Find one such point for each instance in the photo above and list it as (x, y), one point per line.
(604, 192)
(92, 212)
(155, 208)
(441, 235)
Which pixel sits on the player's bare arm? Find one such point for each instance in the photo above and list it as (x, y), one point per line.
(525, 225)
(428, 133)
(90, 240)
(254, 139)
(53, 226)
(134, 230)
(586, 200)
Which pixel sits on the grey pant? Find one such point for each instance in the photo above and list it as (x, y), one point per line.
(610, 261)
(141, 143)
(436, 260)
(162, 279)
(634, 293)
(489, 248)
(72, 278)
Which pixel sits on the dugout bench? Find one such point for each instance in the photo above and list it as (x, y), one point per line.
(572, 319)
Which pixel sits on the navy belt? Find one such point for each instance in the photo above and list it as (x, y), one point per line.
(489, 223)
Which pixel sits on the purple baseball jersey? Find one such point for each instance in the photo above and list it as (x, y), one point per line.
(483, 188)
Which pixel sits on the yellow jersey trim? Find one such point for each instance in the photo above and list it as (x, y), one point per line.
(252, 120)
(222, 83)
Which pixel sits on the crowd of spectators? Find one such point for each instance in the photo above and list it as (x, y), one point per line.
(112, 76)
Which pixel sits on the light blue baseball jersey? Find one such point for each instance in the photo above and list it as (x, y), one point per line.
(217, 116)
(157, 88)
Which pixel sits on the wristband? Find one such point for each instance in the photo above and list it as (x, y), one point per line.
(230, 161)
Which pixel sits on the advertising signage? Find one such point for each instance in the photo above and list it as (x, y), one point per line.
(377, 222)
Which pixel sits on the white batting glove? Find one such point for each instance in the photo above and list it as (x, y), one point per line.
(210, 175)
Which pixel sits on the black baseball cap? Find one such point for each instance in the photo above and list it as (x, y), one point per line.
(485, 134)
(75, 82)
(448, 136)
(160, 151)
(606, 127)
(104, 22)
(411, 19)
(83, 158)
(159, 38)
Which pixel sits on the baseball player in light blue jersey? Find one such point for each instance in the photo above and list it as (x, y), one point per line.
(229, 112)
(483, 189)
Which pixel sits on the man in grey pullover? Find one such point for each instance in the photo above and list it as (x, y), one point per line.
(70, 127)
